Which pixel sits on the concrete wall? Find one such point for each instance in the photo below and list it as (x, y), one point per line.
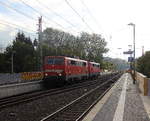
(143, 83)
(15, 89)
(148, 86)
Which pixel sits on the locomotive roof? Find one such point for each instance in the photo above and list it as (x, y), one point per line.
(75, 59)
(95, 63)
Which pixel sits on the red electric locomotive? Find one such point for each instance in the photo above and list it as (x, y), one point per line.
(58, 69)
(93, 69)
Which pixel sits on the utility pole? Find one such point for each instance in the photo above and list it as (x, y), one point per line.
(40, 41)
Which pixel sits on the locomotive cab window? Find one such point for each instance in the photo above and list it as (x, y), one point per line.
(84, 63)
(50, 61)
(72, 62)
(59, 61)
(79, 63)
(68, 62)
(55, 61)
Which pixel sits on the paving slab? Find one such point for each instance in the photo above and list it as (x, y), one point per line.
(122, 103)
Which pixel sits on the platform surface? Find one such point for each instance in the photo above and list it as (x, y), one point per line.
(122, 103)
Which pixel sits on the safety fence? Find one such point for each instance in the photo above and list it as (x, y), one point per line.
(31, 76)
(7, 78)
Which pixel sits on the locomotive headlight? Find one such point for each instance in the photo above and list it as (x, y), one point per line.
(46, 74)
(59, 74)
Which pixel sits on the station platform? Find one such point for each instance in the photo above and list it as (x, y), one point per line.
(123, 102)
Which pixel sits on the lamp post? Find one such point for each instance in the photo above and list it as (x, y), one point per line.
(133, 25)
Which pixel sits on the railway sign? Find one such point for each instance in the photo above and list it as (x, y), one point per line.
(130, 59)
(128, 52)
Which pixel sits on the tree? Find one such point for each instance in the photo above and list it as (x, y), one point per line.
(85, 46)
(23, 54)
(94, 46)
(143, 64)
(115, 63)
(3, 63)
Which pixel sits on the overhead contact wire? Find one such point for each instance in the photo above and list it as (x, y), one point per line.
(79, 16)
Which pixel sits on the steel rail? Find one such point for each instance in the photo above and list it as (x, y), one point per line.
(13, 100)
(54, 114)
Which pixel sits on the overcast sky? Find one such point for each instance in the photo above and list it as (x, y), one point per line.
(107, 17)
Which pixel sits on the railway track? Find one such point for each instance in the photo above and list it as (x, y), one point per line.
(6, 102)
(75, 110)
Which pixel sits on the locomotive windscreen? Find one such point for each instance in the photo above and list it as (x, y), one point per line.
(55, 61)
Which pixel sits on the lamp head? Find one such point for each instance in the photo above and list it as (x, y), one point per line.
(131, 24)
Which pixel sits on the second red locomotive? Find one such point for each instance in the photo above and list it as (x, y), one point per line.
(60, 69)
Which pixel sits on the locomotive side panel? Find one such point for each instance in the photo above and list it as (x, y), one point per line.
(76, 69)
(94, 69)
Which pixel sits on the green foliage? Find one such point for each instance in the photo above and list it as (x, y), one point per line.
(26, 55)
(86, 46)
(107, 65)
(115, 64)
(23, 54)
(143, 64)
(3, 63)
